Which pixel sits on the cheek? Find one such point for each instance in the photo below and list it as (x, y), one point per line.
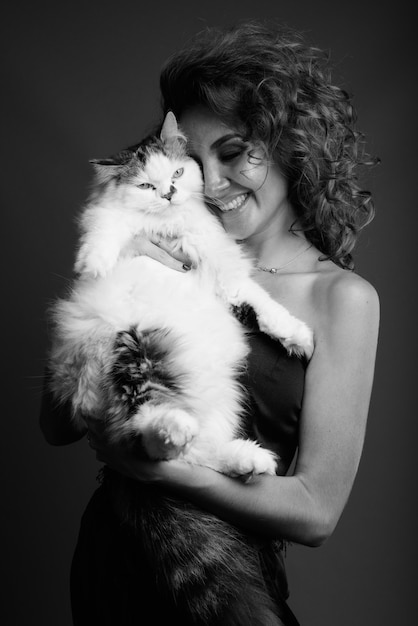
(253, 174)
(144, 195)
(141, 198)
(242, 225)
(189, 186)
(273, 187)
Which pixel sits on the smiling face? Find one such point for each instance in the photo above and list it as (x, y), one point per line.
(250, 192)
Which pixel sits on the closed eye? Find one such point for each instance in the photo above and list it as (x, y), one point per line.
(230, 155)
(146, 186)
(178, 172)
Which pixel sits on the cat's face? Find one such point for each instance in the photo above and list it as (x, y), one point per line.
(163, 181)
(152, 178)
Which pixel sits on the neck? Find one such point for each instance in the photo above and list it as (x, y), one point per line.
(276, 243)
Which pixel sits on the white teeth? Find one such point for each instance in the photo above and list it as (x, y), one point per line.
(235, 203)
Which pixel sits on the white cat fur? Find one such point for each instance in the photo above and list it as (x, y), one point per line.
(116, 290)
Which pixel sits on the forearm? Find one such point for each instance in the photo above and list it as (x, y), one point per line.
(56, 422)
(273, 506)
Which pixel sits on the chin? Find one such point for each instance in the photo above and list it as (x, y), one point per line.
(239, 229)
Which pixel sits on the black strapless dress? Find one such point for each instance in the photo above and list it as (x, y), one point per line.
(110, 584)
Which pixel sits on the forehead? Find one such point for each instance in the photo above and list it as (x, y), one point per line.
(205, 131)
(158, 165)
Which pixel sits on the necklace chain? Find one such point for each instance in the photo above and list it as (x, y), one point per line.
(274, 270)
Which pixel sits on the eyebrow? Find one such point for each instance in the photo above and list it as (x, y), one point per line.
(219, 142)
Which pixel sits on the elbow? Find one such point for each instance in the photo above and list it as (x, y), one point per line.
(57, 427)
(61, 434)
(54, 438)
(317, 536)
(318, 516)
(318, 530)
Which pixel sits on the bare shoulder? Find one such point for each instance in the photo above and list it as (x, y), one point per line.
(345, 299)
(341, 288)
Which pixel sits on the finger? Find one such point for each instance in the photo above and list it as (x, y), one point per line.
(161, 249)
(178, 262)
(95, 440)
(90, 440)
(169, 246)
(101, 459)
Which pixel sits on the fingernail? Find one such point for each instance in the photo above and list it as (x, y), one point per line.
(187, 267)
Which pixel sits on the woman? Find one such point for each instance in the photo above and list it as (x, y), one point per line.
(278, 150)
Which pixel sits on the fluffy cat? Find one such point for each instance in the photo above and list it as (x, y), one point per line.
(157, 354)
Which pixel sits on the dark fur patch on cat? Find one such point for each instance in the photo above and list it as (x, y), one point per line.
(135, 157)
(140, 371)
(246, 315)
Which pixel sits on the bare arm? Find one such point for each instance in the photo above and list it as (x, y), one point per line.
(304, 507)
(55, 420)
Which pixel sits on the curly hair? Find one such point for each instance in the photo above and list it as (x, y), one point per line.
(276, 87)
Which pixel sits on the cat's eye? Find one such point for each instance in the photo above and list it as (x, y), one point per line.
(178, 172)
(145, 186)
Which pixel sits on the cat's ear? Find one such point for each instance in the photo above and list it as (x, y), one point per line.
(105, 162)
(170, 132)
(106, 169)
(169, 129)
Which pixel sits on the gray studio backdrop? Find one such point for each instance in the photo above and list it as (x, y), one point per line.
(80, 80)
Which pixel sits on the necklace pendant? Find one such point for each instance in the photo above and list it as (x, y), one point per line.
(269, 270)
(276, 270)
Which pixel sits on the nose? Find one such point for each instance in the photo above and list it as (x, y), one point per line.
(216, 181)
(170, 193)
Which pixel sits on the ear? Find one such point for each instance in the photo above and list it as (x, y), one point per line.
(109, 161)
(109, 168)
(116, 160)
(169, 129)
(171, 135)
(105, 169)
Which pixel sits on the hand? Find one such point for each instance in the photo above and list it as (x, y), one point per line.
(176, 474)
(162, 250)
(120, 458)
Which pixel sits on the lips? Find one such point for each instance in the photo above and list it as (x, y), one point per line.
(235, 203)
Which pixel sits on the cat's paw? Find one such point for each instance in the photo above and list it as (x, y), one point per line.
(168, 435)
(301, 341)
(245, 457)
(94, 262)
(295, 335)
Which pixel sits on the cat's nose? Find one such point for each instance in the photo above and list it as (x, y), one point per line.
(170, 193)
